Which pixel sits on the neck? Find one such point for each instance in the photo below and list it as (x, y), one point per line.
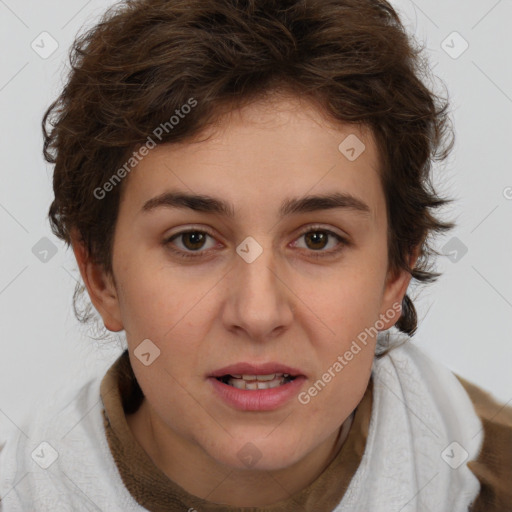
(190, 467)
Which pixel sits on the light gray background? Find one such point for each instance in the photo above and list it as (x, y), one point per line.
(465, 318)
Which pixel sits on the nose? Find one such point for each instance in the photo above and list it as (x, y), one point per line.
(261, 301)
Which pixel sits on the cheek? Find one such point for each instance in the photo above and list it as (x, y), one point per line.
(345, 337)
(153, 299)
(349, 302)
(162, 306)
(338, 388)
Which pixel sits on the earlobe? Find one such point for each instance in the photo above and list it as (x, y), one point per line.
(100, 286)
(394, 292)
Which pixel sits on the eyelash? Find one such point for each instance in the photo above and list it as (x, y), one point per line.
(314, 254)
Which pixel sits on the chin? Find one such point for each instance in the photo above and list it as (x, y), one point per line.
(258, 453)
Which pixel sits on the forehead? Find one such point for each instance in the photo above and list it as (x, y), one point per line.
(257, 157)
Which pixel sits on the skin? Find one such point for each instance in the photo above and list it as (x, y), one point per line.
(215, 310)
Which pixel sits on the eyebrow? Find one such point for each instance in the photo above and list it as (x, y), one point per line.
(213, 205)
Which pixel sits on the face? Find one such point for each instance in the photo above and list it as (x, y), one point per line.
(273, 281)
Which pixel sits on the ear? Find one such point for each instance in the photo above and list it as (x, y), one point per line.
(99, 284)
(394, 291)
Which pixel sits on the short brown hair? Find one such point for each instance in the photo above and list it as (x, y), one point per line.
(147, 58)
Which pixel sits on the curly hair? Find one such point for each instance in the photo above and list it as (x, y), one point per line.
(146, 58)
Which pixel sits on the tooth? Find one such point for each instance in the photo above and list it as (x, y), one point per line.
(270, 384)
(264, 378)
(237, 383)
(270, 376)
(254, 385)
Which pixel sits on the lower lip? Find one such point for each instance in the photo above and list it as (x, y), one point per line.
(258, 399)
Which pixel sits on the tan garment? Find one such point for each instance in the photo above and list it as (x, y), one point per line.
(494, 465)
(152, 489)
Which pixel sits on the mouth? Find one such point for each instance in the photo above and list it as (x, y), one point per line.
(247, 392)
(257, 387)
(256, 382)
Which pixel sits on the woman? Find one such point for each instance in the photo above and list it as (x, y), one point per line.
(246, 187)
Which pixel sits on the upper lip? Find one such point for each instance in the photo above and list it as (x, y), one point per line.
(244, 368)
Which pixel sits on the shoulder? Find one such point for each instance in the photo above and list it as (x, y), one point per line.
(493, 467)
(472, 411)
(35, 450)
(493, 462)
(58, 458)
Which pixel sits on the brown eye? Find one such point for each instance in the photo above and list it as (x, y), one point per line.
(193, 240)
(191, 243)
(317, 239)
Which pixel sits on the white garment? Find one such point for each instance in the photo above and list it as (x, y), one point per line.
(410, 463)
(84, 477)
(419, 409)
